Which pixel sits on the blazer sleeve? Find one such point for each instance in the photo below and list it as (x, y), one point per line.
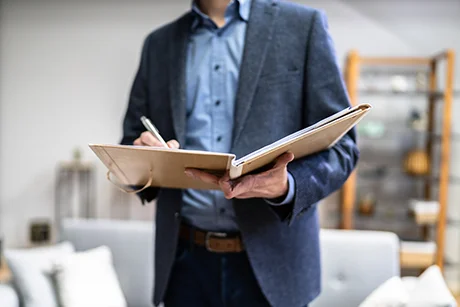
(318, 175)
(138, 106)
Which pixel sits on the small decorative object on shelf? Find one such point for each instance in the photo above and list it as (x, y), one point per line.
(417, 163)
(425, 212)
(417, 120)
(399, 84)
(421, 81)
(372, 129)
(367, 205)
(77, 155)
(40, 232)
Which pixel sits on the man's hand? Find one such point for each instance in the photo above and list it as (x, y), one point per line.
(269, 184)
(148, 139)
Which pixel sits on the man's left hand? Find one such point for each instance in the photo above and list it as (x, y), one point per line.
(270, 184)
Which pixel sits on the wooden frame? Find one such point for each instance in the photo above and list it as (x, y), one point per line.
(352, 73)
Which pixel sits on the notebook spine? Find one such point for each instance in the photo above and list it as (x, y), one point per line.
(236, 171)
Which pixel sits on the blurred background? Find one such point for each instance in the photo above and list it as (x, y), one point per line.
(66, 68)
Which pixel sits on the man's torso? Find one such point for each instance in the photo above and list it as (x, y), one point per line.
(268, 105)
(212, 70)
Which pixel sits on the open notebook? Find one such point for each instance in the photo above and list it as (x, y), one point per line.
(163, 167)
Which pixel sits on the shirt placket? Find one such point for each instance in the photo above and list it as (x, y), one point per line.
(218, 96)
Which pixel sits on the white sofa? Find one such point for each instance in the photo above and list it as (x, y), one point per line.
(354, 262)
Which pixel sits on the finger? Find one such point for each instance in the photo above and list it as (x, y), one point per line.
(226, 184)
(173, 144)
(243, 185)
(246, 195)
(225, 179)
(203, 176)
(149, 139)
(137, 142)
(283, 160)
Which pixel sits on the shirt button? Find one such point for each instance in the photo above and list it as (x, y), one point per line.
(217, 67)
(176, 215)
(222, 210)
(219, 138)
(217, 102)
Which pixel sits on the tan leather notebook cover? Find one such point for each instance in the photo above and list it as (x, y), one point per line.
(163, 167)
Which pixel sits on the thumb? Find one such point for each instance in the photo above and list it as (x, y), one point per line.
(173, 144)
(284, 159)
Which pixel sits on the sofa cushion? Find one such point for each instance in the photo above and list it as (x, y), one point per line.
(391, 293)
(32, 273)
(131, 244)
(88, 279)
(8, 297)
(354, 263)
(428, 290)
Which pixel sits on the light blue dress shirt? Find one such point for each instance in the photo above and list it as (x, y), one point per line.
(212, 70)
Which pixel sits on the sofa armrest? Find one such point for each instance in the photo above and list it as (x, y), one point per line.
(354, 263)
(131, 244)
(8, 296)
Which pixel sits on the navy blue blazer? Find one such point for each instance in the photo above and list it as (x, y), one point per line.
(289, 79)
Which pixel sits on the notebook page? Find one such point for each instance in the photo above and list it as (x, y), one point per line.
(297, 134)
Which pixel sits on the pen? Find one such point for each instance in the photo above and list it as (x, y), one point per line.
(150, 127)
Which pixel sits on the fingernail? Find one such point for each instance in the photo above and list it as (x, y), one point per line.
(189, 173)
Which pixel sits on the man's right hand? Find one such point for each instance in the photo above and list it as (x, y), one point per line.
(148, 139)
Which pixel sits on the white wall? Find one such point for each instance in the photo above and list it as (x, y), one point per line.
(66, 68)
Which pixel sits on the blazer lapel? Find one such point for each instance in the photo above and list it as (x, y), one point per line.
(177, 59)
(258, 37)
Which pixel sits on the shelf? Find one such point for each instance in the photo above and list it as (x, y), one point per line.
(416, 261)
(420, 255)
(406, 229)
(424, 212)
(433, 94)
(384, 143)
(385, 219)
(426, 219)
(373, 72)
(379, 171)
(417, 254)
(390, 135)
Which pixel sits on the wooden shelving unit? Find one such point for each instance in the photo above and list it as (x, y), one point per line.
(440, 69)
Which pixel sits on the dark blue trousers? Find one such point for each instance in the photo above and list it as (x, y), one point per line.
(200, 278)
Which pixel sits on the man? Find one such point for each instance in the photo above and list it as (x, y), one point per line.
(233, 76)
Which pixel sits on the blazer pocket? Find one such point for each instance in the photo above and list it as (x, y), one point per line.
(280, 77)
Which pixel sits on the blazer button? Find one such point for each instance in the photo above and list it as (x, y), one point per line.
(176, 215)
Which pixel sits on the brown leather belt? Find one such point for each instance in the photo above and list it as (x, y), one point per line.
(216, 242)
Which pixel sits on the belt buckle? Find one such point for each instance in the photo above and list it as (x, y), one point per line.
(210, 235)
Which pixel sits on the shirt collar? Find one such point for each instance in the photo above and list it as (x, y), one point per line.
(244, 8)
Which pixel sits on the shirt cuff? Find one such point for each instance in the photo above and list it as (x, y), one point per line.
(290, 195)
